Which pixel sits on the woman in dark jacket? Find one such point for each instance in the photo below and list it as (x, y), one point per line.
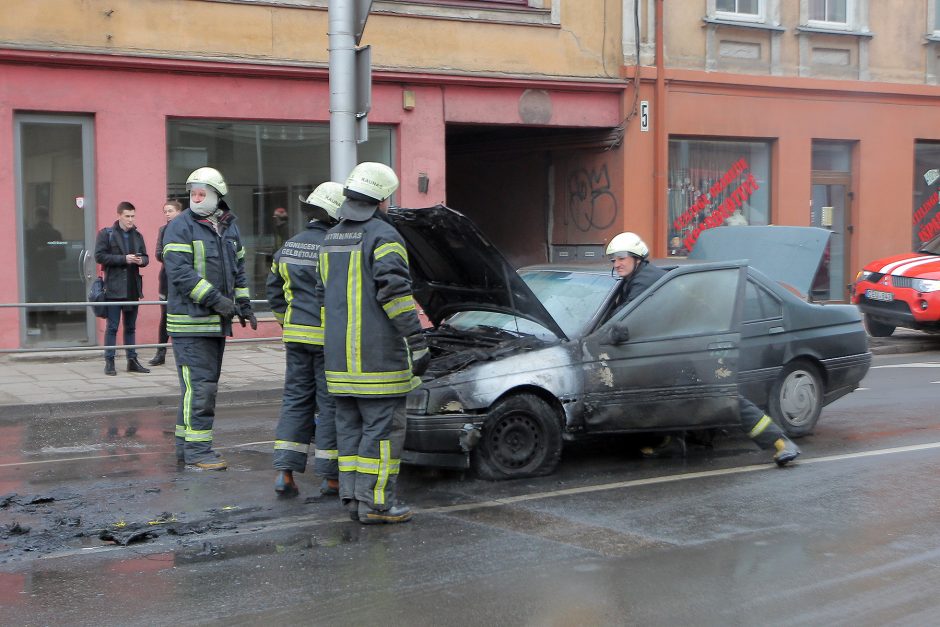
(171, 209)
(121, 251)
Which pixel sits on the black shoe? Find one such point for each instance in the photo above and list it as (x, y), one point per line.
(394, 514)
(135, 366)
(159, 359)
(787, 451)
(109, 367)
(284, 485)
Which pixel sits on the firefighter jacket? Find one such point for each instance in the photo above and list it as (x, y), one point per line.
(370, 309)
(202, 265)
(122, 281)
(291, 286)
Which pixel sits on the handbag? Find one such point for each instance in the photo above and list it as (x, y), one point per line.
(97, 294)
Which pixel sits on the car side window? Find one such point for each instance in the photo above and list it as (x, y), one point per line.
(759, 304)
(690, 304)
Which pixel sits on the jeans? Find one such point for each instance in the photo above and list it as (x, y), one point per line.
(130, 329)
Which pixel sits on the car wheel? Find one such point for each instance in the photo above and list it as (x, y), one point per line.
(521, 438)
(797, 398)
(878, 329)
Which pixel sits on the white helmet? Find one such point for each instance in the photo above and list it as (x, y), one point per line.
(211, 177)
(327, 196)
(374, 180)
(627, 244)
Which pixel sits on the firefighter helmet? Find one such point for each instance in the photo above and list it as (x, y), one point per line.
(211, 177)
(627, 244)
(327, 196)
(373, 180)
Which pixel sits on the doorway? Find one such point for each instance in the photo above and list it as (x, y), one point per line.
(55, 204)
(830, 209)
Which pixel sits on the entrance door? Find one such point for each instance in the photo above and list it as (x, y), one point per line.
(830, 211)
(55, 206)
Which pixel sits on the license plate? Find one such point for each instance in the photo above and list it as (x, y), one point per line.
(886, 297)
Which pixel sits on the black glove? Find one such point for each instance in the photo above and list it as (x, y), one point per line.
(245, 314)
(420, 355)
(224, 306)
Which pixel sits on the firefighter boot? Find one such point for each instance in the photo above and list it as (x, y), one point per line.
(284, 484)
(787, 451)
(135, 366)
(394, 514)
(329, 487)
(352, 508)
(109, 367)
(670, 446)
(210, 461)
(159, 358)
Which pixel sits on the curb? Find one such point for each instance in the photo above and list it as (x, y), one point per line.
(65, 409)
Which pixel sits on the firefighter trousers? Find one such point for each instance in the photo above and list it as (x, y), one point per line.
(198, 364)
(758, 425)
(370, 433)
(305, 409)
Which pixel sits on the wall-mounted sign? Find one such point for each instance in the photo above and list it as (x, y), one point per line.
(644, 116)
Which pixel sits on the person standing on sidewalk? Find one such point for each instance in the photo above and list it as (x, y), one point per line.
(307, 408)
(171, 209)
(205, 268)
(374, 347)
(121, 251)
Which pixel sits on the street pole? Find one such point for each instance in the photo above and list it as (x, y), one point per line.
(342, 41)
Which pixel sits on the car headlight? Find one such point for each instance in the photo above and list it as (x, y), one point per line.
(864, 275)
(417, 402)
(925, 285)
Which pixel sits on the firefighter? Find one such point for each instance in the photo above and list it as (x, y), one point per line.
(629, 253)
(307, 408)
(205, 267)
(374, 348)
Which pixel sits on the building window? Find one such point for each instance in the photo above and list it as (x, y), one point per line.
(266, 166)
(925, 222)
(830, 13)
(715, 183)
(749, 10)
(936, 16)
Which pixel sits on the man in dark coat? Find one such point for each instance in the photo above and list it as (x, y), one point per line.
(121, 251)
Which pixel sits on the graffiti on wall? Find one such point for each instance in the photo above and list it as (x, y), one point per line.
(591, 203)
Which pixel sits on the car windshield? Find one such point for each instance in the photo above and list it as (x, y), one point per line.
(931, 247)
(572, 298)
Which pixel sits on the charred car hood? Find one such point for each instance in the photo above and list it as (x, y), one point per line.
(455, 268)
(790, 255)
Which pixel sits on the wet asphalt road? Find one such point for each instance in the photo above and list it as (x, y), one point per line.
(846, 535)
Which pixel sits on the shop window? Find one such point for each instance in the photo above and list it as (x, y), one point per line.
(926, 217)
(936, 17)
(266, 166)
(715, 183)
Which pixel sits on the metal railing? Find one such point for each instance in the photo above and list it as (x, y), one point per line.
(116, 347)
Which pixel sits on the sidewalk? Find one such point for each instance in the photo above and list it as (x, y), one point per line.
(48, 384)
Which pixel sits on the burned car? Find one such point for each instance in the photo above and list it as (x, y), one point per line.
(524, 361)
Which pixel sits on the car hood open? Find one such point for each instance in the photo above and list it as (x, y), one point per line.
(790, 255)
(456, 268)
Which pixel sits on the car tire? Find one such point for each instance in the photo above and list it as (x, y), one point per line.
(521, 438)
(878, 329)
(796, 399)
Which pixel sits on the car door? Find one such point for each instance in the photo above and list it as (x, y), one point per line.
(670, 358)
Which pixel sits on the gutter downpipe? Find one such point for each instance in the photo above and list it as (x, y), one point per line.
(661, 137)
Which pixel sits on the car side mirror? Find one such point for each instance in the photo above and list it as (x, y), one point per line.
(618, 333)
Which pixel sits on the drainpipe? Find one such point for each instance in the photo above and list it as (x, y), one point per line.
(660, 138)
(342, 28)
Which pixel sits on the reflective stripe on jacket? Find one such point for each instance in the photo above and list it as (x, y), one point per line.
(202, 265)
(369, 310)
(291, 286)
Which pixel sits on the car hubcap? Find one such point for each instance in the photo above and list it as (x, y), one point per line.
(798, 397)
(516, 441)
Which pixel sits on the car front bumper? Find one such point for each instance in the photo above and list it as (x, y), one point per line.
(444, 441)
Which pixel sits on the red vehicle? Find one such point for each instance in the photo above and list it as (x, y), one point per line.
(901, 291)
